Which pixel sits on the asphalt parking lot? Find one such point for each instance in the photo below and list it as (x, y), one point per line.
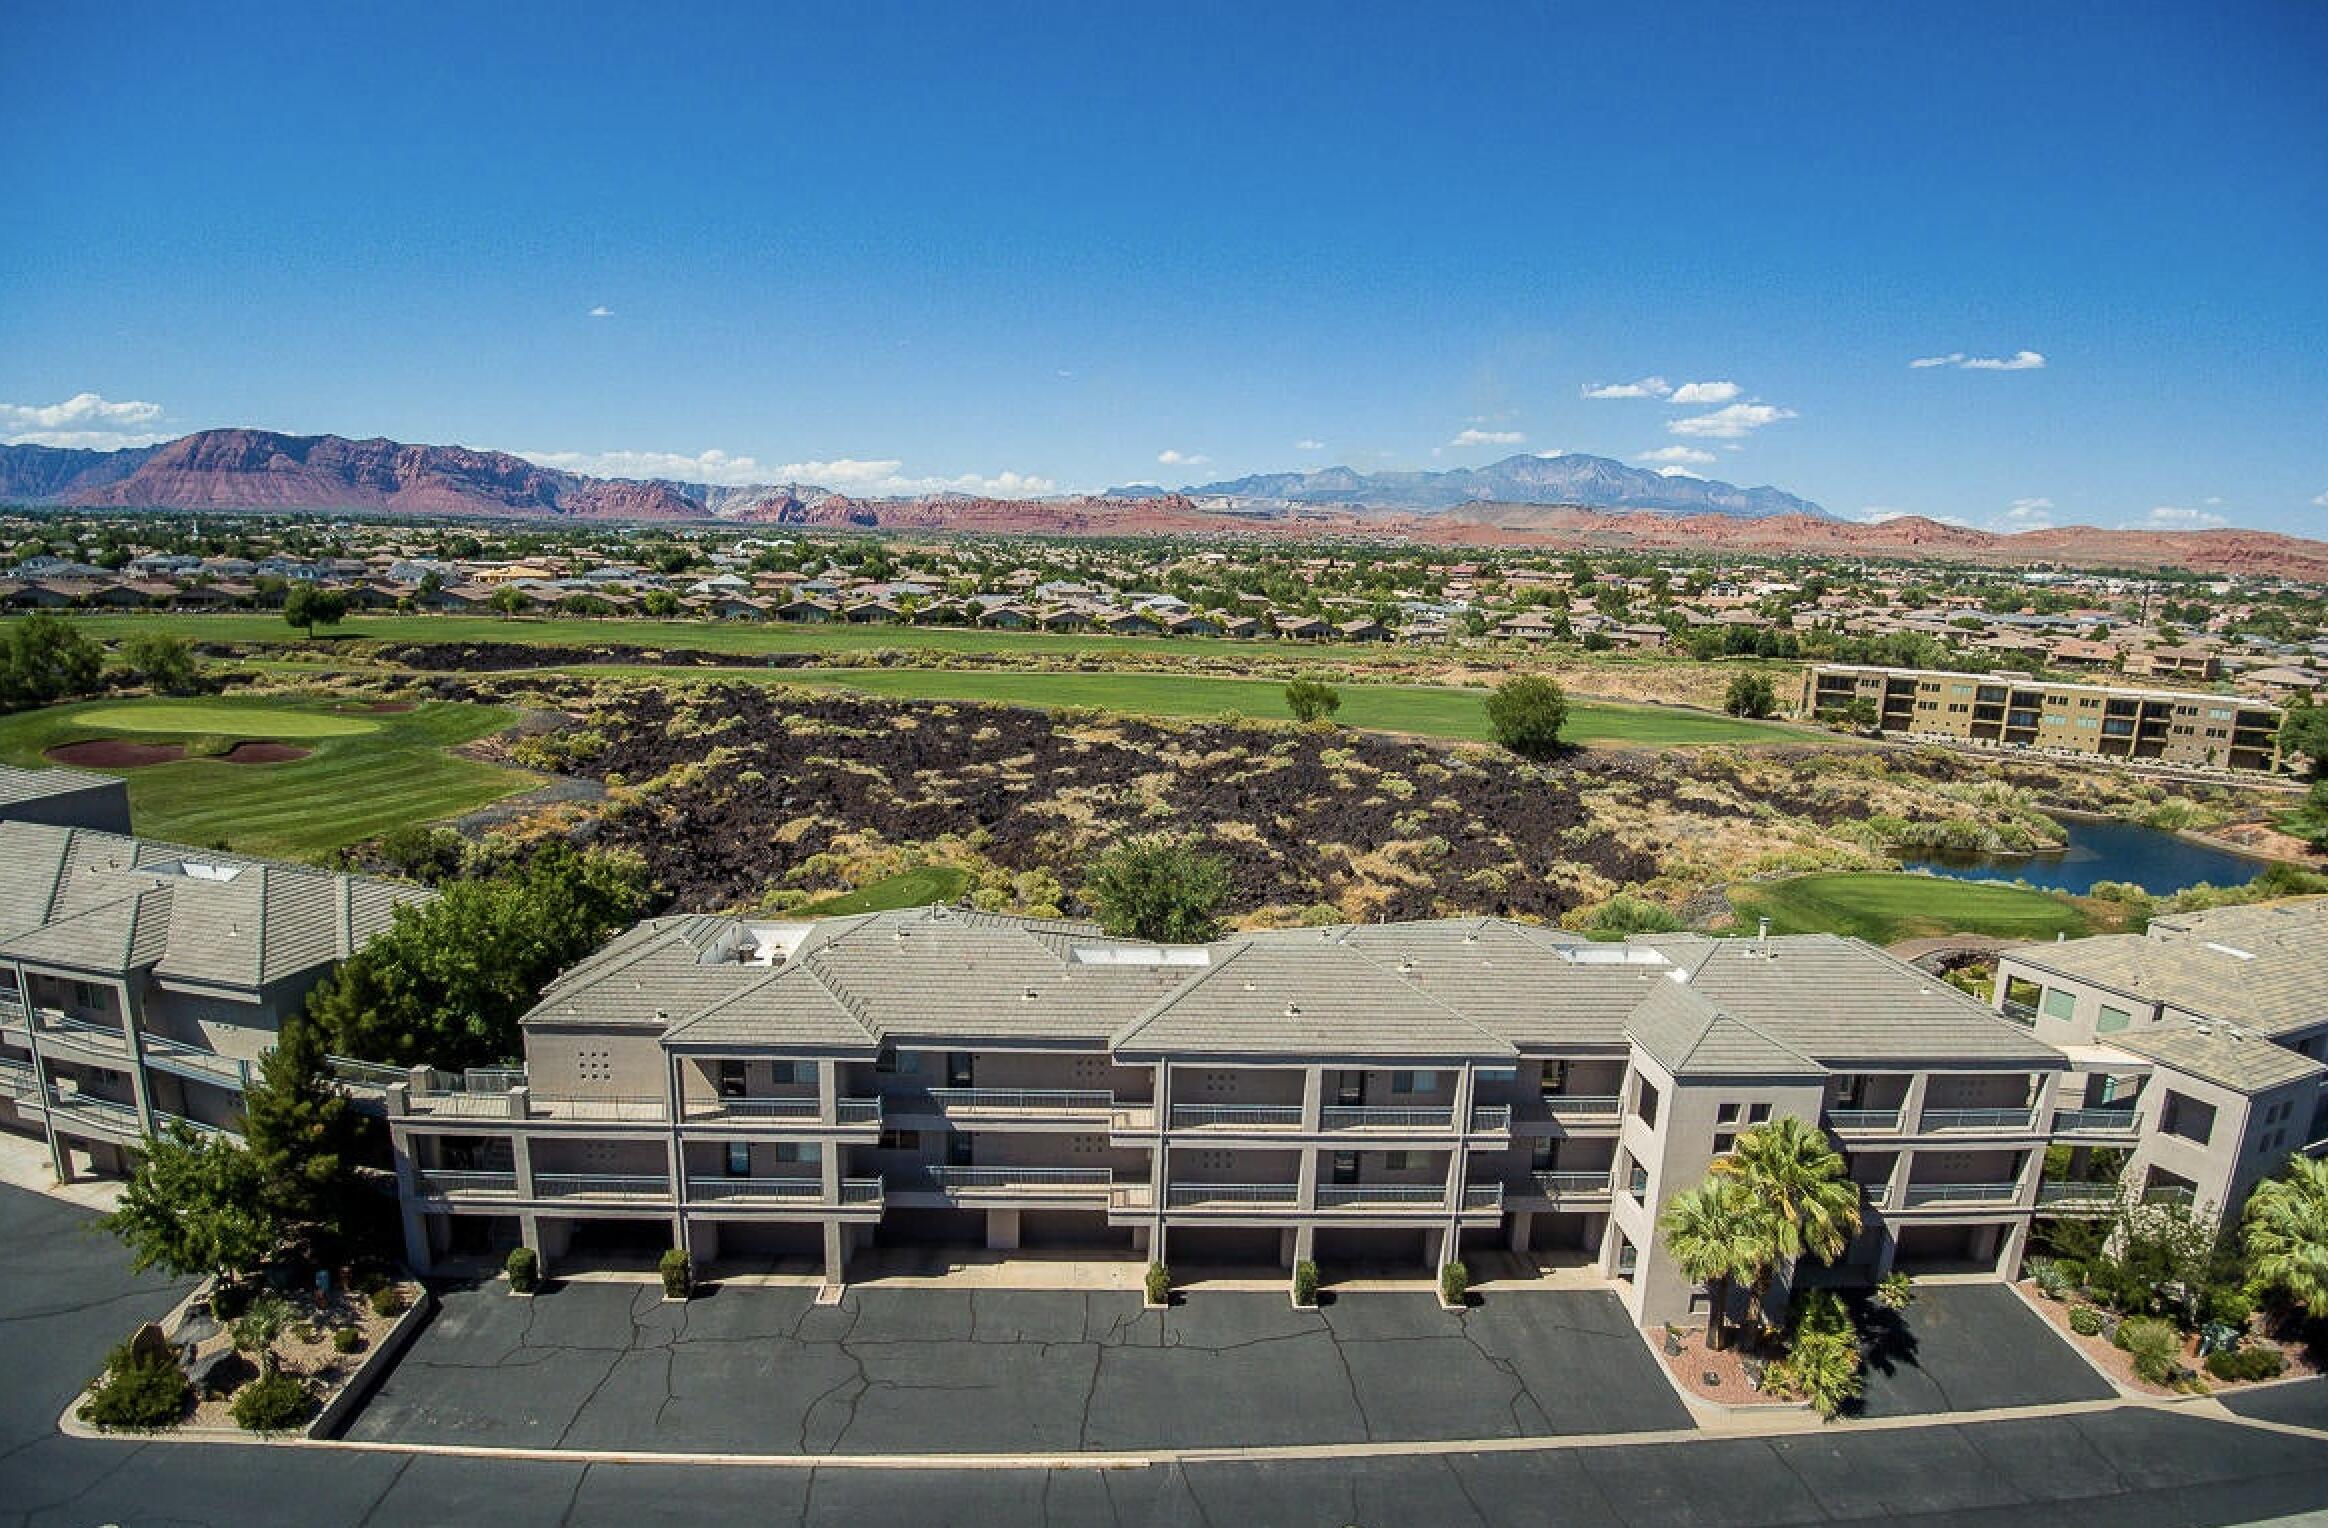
(1967, 1347)
(758, 1370)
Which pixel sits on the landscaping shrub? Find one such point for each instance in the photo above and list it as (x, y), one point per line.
(1454, 1283)
(389, 1301)
(347, 1340)
(2230, 1305)
(140, 1391)
(2086, 1321)
(2247, 1364)
(2051, 1278)
(2154, 1345)
(1822, 1362)
(1895, 1291)
(678, 1270)
(524, 1268)
(272, 1403)
(1305, 1282)
(1159, 1284)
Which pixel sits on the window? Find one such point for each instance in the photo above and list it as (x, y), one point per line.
(1848, 1088)
(1757, 1113)
(1397, 1161)
(1726, 1114)
(739, 1159)
(1555, 1080)
(786, 1073)
(796, 1151)
(1497, 1074)
(1345, 1167)
(2112, 1020)
(2057, 1004)
(1414, 1082)
(1725, 1142)
(899, 1140)
(731, 1080)
(1645, 1102)
(2187, 1117)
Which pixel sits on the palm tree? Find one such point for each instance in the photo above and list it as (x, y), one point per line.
(2286, 1234)
(1794, 1172)
(1719, 1236)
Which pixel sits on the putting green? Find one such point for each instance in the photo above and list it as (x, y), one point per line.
(202, 719)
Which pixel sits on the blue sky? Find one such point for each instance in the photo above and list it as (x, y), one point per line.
(1060, 247)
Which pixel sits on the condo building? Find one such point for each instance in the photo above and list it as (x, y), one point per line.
(141, 982)
(811, 1094)
(2186, 729)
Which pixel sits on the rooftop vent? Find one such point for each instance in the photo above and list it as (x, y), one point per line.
(2231, 950)
(1293, 1010)
(1030, 994)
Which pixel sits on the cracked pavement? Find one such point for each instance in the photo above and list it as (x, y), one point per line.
(66, 1296)
(614, 1367)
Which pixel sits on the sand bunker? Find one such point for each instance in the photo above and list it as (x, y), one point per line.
(263, 753)
(115, 753)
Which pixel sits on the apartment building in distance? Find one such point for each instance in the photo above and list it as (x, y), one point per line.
(2196, 729)
(813, 1093)
(141, 982)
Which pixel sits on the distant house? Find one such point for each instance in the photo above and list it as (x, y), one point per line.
(1005, 617)
(1193, 626)
(1062, 618)
(1363, 630)
(804, 612)
(871, 612)
(1304, 627)
(1240, 626)
(1533, 625)
(1129, 623)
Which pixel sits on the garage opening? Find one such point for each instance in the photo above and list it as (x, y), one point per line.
(1949, 1249)
(1199, 1252)
(931, 1228)
(1073, 1231)
(1358, 1252)
(762, 1246)
(606, 1245)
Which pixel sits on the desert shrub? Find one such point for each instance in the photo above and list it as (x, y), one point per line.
(1623, 914)
(2086, 1321)
(2230, 1305)
(1305, 1282)
(261, 1326)
(389, 1301)
(2154, 1345)
(1454, 1283)
(1159, 1284)
(272, 1403)
(678, 1271)
(524, 1268)
(2247, 1364)
(142, 1389)
(1895, 1291)
(2051, 1278)
(347, 1340)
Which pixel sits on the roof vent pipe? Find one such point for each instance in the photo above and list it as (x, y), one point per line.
(1762, 931)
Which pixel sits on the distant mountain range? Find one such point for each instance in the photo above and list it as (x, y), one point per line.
(1589, 482)
(1561, 501)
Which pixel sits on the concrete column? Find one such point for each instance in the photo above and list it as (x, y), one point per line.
(1305, 1195)
(1313, 1099)
(1912, 1105)
(418, 1255)
(1518, 1230)
(140, 1088)
(1305, 1243)
(828, 1093)
(828, 1170)
(836, 1254)
(1002, 1230)
(521, 1159)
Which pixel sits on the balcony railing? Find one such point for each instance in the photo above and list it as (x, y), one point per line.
(2170, 1193)
(601, 1186)
(1026, 1180)
(1876, 1195)
(96, 1113)
(2080, 1195)
(1336, 1196)
(1923, 1195)
(109, 1038)
(1022, 1100)
(2097, 1121)
(1491, 1119)
(458, 1183)
(1976, 1119)
(164, 1120)
(1572, 1185)
(1483, 1196)
(192, 1060)
(2020, 1013)
(1851, 1121)
(801, 1107)
(769, 1190)
(1384, 1117)
(1212, 1195)
(373, 1075)
(1593, 1105)
(1249, 1116)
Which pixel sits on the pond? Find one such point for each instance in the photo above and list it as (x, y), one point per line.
(2104, 850)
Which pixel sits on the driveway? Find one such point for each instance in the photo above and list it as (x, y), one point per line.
(611, 1366)
(1967, 1347)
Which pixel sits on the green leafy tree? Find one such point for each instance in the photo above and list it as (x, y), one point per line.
(1526, 714)
(163, 661)
(1720, 1237)
(305, 1137)
(45, 658)
(2303, 735)
(662, 604)
(446, 983)
(308, 607)
(508, 600)
(1312, 700)
(1794, 1172)
(1159, 888)
(1822, 1363)
(1750, 694)
(2285, 1232)
(196, 1205)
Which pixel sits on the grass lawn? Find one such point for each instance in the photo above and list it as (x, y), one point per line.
(365, 775)
(911, 888)
(1886, 908)
(1424, 710)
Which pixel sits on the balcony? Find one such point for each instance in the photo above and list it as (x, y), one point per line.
(106, 1040)
(2096, 1122)
(2021, 1013)
(2171, 1193)
(1925, 1196)
(165, 1122)
(1863, 1121)
(637, 1110)
(1572, 1186)
(453, 1183)
(1491, 1119)
(1231, 1196)
(365, 1076)
(1383, 1118)
(796, 1112)
(164, 1054)
(1038, 1105)
(1591, 1107)
(79, 1111)
(2098, 1197)
(800, 1190)
(1074, 1185)
(602, 1186)
(2007, 1121)
(1875, 1195)
(1231, 1117)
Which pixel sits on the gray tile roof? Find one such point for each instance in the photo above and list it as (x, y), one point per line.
(1295, 998)
(1691, 1037)
(2263, 968)
(112, 905)
(2244, 1063)
(35, 784)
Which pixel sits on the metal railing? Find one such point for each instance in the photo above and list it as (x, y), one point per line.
(477, 1079)
(1024, 1100)
(443, 1182)
(365, 1074)
(948, 1180)
(1491, 1119)
(1922, 1194)
(164, 1120)
(1335, 1196)
(111, 1038)
(19, 1082)
(1260, 1116)
(2111, 1121)
(1386, 1116)
(1561, 1185)
(1976, 1119)
(857, 1111)
(601, 1186)
(1876, 1195)
(1864, 1119)
(710, 1190)
(102, 1113)
(790, 1107)
(2096, 1195)
(204, 1065)
(862, 1190)
(1596, 1104)
(1180, 1196)
(2170, 1193)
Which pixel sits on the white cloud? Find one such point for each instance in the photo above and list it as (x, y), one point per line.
(1705, 392)
(2320, 501)
(1683, 472)
(1552, 455)
(2170, 517)
(1309, 445)
(2026, 515)
(2019, 360)
(602, 311)
(1877, 514)
(1679, 455)
(1647, 387)
(880, 476)
(84, 421)
(1171, 458)
(1479, 437)
(1733, 423)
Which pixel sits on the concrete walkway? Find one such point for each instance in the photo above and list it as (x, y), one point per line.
(24, 1164)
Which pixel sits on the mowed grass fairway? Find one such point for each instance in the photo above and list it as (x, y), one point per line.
(1423, 710)
(908, 888)
(1886, 908)
(367, 773)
